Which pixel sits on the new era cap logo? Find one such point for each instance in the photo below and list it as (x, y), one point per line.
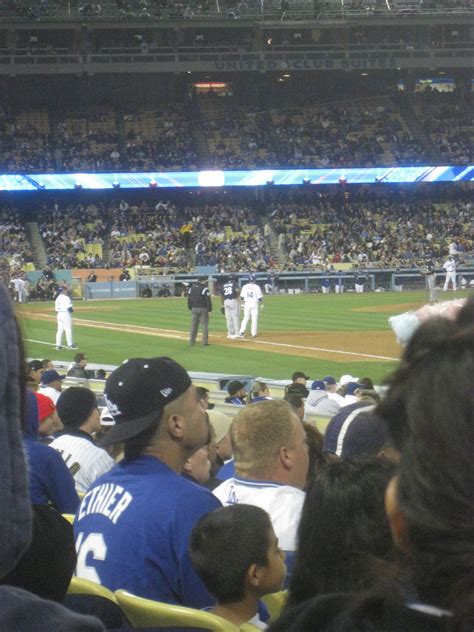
(166, 392)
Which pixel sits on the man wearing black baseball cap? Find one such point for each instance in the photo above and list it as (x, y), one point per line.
(299, 377)
(132, 527)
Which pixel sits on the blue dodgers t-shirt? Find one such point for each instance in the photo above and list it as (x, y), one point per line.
(132, 531)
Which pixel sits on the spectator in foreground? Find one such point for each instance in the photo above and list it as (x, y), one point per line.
(143, 509)
(21, 611)
(271, 465)
(429, 502)
(344, 534)
(236, 553)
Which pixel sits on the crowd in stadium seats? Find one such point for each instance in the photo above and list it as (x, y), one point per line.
(72, 237)
(448, 122)
(151, 140)
(237, 137)
(312, 231)
(146, 236)
(361, 134)
(365, 132)
(24, 141)
(373, 232)
(230, 238)
(15, 248)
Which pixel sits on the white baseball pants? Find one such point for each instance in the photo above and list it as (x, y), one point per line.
(64, 326)
(250, 313)
(450, 277)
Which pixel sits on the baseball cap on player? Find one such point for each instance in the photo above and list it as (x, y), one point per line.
(329, 380)
(318, 385)
(137, 392)
(251, 277)
(51, 376)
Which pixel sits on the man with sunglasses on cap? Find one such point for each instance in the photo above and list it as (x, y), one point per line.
(132, 527)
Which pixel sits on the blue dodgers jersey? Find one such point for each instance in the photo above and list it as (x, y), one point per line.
(132, 531)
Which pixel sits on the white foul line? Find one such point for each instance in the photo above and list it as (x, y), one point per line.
(351, 353)
(170, 333)
(41, 342)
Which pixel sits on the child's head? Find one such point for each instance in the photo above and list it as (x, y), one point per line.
(234, 551)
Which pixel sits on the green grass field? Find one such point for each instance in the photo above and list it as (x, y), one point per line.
(296, 313)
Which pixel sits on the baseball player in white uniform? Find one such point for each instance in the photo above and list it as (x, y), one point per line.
(450, 267)
(64, 309)
(20, 288)
(252, 296)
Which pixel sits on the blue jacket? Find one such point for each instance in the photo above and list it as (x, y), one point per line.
(49, 480)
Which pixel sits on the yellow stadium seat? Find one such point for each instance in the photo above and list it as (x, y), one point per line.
(80, 586)
(275, 602)
(69, 517)
(145, 613)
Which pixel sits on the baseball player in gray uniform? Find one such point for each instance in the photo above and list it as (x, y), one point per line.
(231, 307)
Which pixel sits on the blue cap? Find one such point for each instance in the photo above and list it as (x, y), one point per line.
(51, 376)
(318, 385)
(329, 379)
(251, 277)
(355, 430)
(352, 387)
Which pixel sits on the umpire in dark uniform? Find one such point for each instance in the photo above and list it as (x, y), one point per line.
(199, 302)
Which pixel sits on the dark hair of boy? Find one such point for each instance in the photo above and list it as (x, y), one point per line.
(344, 532)
(225, 543)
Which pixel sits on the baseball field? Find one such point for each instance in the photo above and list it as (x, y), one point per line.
(319, 334)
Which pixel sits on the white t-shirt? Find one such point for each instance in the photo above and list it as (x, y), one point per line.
(62, 303)
(251, 294)
(283, 503)
(85, 461)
